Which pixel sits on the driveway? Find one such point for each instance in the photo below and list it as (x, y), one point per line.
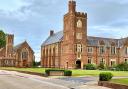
(16, 80)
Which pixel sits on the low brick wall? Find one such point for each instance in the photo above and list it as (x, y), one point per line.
(112, 85)
(56, 73)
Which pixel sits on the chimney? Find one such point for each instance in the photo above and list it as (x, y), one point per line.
(51, 32)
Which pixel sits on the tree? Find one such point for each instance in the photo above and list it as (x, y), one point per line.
(2, 39)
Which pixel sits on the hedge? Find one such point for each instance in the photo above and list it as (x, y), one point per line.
(105, 76)
(90, 66)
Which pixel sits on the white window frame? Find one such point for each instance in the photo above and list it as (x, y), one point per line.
(79, 48)
(90, 58)
(113, 50)
(90, 49)
(103, 49)
(112, 60)
(102, 60)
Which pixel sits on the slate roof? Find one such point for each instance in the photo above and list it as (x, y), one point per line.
(56, 37)
(91, 40)
(94, 41)
(19, 45)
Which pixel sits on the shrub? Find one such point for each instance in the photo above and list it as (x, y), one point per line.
(90, 67)
(66, 72)
(101, 66)
(122, 67)
(105, 76)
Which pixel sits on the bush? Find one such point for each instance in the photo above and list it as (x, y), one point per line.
(102, 66)
(66, 72)
(105, 76)
(122, 67)
(90, 67)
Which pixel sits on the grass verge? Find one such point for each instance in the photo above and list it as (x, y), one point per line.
(123, 81)
(75, 72)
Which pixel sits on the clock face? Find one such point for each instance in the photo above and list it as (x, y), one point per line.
(79, 23)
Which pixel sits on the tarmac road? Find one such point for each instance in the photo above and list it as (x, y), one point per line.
(16, 80)
(13, 80)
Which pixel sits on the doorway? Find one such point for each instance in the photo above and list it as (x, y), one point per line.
(78, 64)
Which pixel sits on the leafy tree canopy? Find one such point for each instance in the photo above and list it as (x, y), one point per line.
(2, 39)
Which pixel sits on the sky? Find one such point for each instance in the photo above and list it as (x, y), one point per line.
(31, 20)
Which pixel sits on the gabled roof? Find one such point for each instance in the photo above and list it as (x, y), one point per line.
(57, 37)
(20, 45)
(91, 40)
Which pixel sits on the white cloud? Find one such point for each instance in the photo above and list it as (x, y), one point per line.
(31, 20)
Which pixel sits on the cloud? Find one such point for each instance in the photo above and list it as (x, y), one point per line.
(31, 20)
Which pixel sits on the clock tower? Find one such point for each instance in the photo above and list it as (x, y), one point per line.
(74, 38)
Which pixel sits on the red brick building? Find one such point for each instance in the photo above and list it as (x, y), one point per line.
(72, 47)
(21, 55)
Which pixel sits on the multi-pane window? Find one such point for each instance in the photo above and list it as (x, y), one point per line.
(102, 61)
(113, 62)
(78, 47)
(24, 55)
(113, 50)
(102, 49)
(89, 60)
(126, 50)
(90, 49)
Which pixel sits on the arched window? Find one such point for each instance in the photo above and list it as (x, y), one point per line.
(24, 54)
(101, 47)
(79, 23)
(113, 48)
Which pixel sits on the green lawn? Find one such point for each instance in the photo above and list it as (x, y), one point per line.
(74, 71)
(97, 72)
(123, 81)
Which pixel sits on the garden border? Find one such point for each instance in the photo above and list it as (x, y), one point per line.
(112, 85)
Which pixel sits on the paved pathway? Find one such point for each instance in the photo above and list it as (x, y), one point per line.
(16, 80)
